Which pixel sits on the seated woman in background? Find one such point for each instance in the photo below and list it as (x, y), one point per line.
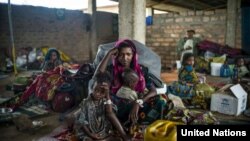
(52, 60)
(45, 84)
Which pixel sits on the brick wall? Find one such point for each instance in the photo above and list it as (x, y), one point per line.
(167, 29)
(39, 26)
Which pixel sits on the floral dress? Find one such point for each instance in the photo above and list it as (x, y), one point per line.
(181, 88)
(93, 116)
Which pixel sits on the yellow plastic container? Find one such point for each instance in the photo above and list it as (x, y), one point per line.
(161, 130)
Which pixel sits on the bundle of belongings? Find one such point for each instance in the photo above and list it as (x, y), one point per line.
(167, 129)
(57, 89)
(32, 58)
(199, 94)
(213, 55)
(218, 49)
(191, 117)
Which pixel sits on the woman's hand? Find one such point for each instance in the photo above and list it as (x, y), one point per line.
(133, 116)
(113, 52)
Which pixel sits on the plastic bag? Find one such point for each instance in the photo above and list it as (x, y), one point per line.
(208, 55)
(191, 117)
(32, 56)
(21, 60)
(225, 71)
(220, 59)
(205, 88)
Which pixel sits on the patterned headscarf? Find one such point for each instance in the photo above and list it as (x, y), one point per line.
(48, 54)
(118, 68)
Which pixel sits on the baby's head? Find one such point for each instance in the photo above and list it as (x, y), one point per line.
(101, 84)
(130, 78)
(188, 59)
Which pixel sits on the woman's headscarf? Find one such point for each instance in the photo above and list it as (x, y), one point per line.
(48, 54)
(118, 68)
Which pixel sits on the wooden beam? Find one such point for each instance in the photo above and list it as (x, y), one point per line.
(199, 3)
(216, 7)
(150, 3)
(168, 7)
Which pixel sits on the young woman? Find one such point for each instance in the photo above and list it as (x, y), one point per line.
(52, 60)
(150, 106)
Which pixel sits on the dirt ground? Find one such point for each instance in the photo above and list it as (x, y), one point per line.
(10, 133)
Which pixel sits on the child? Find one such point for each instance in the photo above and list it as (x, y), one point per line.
(190, 86)
(97, 118)
(187, 73)
(241, 68)
(52, 60)
(184, 87)
(130, 80)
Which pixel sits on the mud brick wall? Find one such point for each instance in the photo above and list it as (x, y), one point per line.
(167, 29)
(39, 26)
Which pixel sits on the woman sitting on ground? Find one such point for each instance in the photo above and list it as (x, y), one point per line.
(52, 60)
(45, 84)
(146, 108)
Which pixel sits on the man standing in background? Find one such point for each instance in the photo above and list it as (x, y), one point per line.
(188, 44)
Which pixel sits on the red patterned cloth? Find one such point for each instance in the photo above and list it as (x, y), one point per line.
(65, 136)
(44, 85)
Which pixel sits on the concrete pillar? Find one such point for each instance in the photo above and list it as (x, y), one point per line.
(93, 30)
(245, 28)
(132, 20)
(231, 22)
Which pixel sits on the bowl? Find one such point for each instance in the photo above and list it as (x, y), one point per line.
(5, 111)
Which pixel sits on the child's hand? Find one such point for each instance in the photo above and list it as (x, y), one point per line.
(134, 113)
(105, 88)
(95, 136)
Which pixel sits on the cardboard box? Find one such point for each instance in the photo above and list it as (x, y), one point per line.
(232, 102)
